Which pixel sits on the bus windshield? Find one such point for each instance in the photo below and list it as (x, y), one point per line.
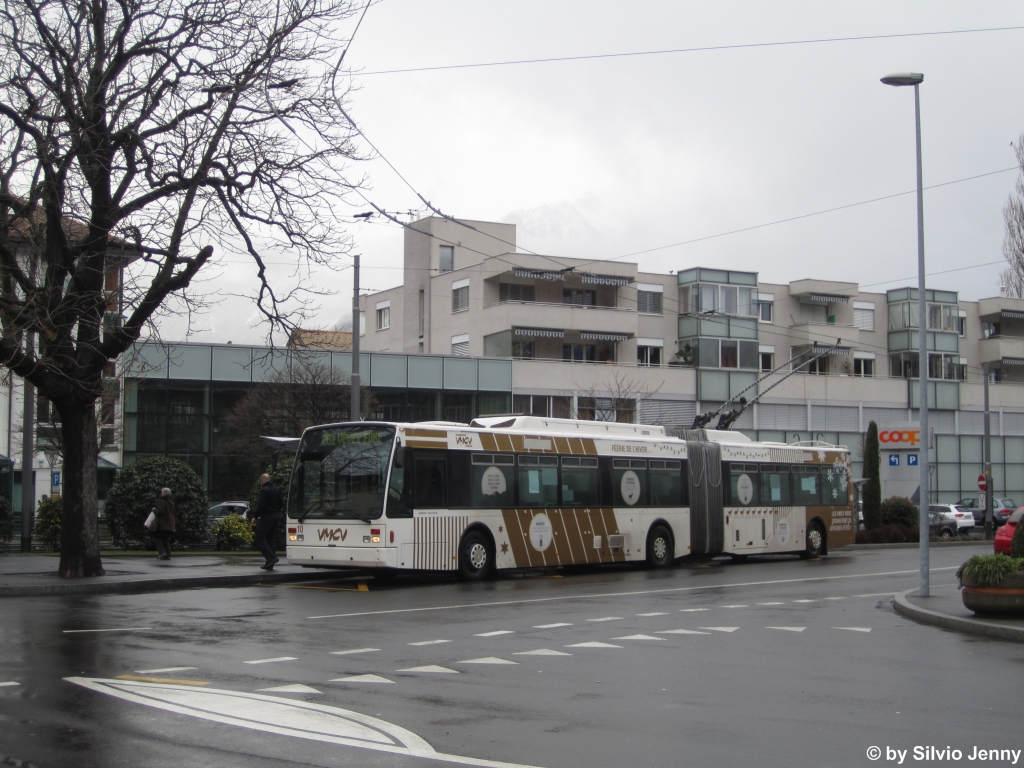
(340, 473)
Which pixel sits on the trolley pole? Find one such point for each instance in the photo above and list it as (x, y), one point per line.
(354, 414)
(987, 457)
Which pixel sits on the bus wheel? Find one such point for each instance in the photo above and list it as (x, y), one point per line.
(476, 557)
(815, 541)
(660, 548)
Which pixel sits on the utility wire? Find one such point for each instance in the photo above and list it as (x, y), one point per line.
(696, 49)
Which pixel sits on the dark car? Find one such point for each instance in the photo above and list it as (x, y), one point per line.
(940, 526)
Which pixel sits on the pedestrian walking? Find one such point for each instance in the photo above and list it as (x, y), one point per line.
(268, 513)
(164, 524)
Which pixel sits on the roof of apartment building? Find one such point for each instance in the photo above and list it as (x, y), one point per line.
(305, 338)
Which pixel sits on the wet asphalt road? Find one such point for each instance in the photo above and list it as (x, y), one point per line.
(782, 662)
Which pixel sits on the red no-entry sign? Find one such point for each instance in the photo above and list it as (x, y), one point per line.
(981, 483)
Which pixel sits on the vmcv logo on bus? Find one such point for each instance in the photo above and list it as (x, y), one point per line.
(334, 534)
(906, 436)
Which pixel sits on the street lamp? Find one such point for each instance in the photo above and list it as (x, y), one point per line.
(915, 79)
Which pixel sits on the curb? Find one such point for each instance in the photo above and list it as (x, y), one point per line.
(164, 585)
(911, 545)
(905, 608)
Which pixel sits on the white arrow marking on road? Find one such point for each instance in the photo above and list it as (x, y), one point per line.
(432, 668)
(164, 669)
(656, 613)
(487, 660)
(593, 645)
(607, 618)
(542, 652)
(789, 629)
(430, 642)
(722, 629)
(362, 679)
(496, 633)
(638, 637)
(855, 629)
(5, 685)
(270, 661)
(680, 632)
(551, 626)
(295, 688)
(277, 715)
(354, 650)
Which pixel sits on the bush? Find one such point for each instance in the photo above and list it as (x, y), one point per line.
(47, 527)
(6, 521)
(888, 534)
(232, 532)
(899, 510)
(282, 477)
(989, 570)
(135, 491)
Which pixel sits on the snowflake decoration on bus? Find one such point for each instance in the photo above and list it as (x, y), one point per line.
(838, 477)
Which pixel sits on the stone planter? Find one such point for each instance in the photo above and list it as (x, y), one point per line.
(1005, 600)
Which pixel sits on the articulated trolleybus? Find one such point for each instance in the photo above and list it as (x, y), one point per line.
(526, 492)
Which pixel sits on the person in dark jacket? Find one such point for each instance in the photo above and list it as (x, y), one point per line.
(164, 524)
(268, 513)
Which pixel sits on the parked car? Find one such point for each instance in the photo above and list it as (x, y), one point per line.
(971, 502)
(1005, 533)
(1001, 511)
(961, 515)
(222, 509)
(943, 527)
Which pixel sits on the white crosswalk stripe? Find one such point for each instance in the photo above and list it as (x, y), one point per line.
(542, 652)
(362, 679)
(431, 669)
(488, 660)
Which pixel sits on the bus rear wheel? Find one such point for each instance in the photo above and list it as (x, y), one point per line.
(660, 547)
(476, 557)
(815, 541)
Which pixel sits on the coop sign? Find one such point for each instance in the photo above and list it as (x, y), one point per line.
(900, 438)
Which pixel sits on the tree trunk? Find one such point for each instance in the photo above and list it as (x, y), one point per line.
(79, 529)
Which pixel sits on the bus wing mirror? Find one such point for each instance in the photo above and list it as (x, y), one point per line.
(399, 455)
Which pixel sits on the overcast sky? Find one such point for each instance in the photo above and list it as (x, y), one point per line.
(605, 157)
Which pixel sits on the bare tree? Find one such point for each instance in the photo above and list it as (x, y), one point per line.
(1012, 278)
(135, 136)
(617, 399)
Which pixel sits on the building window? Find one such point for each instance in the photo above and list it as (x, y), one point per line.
(446, 262)
(383, 318)
(988, 330)
(730, 354)
(863, 367)
(460, 296)
(648, 302)
(814, 313)
(646, 355)
(766, 310)
(460, 345)
(579, 353)
(580, 296)
(819, 366)
(767, 362)
(514, 292)
(864, 315)
(961, 326)
(522, 349)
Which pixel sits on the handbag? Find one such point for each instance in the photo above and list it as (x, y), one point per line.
(150, 521)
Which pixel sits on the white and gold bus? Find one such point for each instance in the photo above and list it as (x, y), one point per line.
(526, 492)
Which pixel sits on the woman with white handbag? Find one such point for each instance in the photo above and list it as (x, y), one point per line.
(163, 513)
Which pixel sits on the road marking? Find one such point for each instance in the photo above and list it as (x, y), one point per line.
(834, 598)
(496, 633)
(165, 669)
(722, 629)
(693, 610)
(362, 679)
(8, 685)
(282, 716)
(160, 680)
(542, 652)
(638, 637)
(735, 606)
(656, 613)
(878, 594)
(430, 642)
(354, 650)
(805, 601)
(431, 668)
(487, 660)
(360, 588)
(680, 632)
(789, 629)
(607, 618)
(633, 593)
(294, 688)
(773, 603)
(593, 645)
(551, 626)
(270, 661)
(855, 629)
(115, 629)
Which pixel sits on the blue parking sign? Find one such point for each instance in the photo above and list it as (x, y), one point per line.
(911, 459)
(55, 479)
(894, 459)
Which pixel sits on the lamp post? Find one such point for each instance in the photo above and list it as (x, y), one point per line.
(915, 79)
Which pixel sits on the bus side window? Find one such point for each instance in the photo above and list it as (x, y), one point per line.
(743, 485)
(492, 482)
(806, 485)
(775, 485)
(538, 481)
(580, 479)
(666, 482)
(629, 482)
(458, 480)
(429, 480)
(397, 502)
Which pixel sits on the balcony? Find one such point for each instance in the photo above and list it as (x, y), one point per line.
(562, 317)
(1000, 349)
(823, 334)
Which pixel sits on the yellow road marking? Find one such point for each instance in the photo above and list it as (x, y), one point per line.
(161, 680)
(360, 588)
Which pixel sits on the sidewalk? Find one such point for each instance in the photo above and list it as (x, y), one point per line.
(944, 608)
(36, 575)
